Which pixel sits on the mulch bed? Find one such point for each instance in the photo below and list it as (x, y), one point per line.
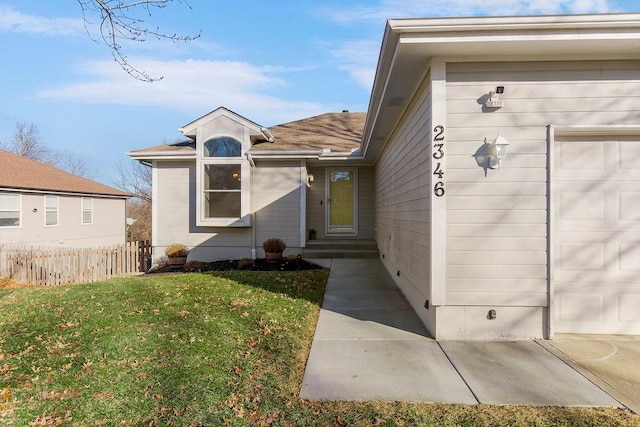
(260, 264)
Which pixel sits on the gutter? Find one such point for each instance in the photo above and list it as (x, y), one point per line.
(267, 134)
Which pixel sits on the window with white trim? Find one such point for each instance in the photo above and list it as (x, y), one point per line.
(10, 210)
(87, 210)
(223, 197)
(51, 212)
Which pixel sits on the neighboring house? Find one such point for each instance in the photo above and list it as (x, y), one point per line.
(548, 241)
(44, 206)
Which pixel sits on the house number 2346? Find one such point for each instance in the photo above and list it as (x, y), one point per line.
(438, 154)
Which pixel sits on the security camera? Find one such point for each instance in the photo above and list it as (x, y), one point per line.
(500, 89)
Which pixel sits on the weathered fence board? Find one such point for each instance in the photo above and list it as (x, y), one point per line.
(56, 266)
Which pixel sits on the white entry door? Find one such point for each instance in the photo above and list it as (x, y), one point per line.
(596, 238)
(342, 207)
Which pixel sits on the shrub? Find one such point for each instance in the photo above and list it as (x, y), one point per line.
(194, 266)
(176, 250)
(274, 245)
(245, 263)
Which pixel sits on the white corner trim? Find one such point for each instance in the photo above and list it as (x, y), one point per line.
(303, 203)
(438, 145)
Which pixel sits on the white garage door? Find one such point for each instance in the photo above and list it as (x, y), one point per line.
(596, 236)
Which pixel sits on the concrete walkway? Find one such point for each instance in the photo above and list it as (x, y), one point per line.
(370, 345)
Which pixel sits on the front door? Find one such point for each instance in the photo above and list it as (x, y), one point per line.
(342, 209)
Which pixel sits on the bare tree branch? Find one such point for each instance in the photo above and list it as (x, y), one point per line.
(26, 142)
(135, 179)
(118, 23)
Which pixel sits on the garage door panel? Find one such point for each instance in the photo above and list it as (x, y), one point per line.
(629, 257)
(580, 306)
(629, 157)
(629, 307)
(597, 236)
(578, 157)
(629, 203)
(581, 206)
(581, 256)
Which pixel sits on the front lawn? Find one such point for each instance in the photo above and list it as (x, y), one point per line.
(224, 348)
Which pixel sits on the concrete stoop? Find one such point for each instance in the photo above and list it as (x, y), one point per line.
(340, 249)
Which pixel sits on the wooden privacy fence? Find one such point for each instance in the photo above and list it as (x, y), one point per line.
(56, 266)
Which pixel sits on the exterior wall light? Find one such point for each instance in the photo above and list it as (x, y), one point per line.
(497, 151)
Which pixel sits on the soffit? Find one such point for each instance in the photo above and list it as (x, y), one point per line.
(410, 45)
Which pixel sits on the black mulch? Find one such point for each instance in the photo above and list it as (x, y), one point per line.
(261, 264)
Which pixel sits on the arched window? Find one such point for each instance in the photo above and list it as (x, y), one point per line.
(221, 184)
(222, 146)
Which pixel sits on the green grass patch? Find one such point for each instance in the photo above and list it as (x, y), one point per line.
(196, 349)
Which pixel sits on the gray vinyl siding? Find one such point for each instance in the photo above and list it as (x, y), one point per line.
(402, 201)
(497, 224)
(316, 200)
(176, 217)
(108, 227)
(316, 203)
(276, 203)
(366, 203)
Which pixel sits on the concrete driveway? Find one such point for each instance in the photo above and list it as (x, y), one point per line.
(370, 345)
(610, 361)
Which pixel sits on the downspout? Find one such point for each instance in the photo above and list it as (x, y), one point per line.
(253, 215)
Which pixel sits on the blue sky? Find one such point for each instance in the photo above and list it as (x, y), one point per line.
(272, 62)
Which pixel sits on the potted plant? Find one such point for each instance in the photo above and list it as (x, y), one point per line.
(177, 254)
(273, 249)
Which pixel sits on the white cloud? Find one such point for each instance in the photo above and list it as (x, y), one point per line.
(12, 20)
(194, 86)
(358, 58)
(420, 8)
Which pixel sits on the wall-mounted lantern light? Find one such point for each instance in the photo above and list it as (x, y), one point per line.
(497, 151)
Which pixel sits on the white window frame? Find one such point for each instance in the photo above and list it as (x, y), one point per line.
(55, 209)
(82, 210)
(19, 197)
(245, 170)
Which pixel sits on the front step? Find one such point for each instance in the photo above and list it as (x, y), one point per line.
(340, 249)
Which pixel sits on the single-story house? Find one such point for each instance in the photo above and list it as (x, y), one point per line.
(497, 169)
(44, 206)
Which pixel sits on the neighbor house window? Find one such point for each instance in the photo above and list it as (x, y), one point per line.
(87, 211)
(10, 209)
(51, 210)
(222, 191)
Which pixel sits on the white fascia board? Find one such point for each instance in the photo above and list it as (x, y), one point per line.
(285, 154)
(595, 130)
(64, 193)
(161, 155)
(506, 23)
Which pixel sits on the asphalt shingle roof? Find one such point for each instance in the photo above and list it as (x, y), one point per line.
(18, 172)
(335, 131)
(340, 132)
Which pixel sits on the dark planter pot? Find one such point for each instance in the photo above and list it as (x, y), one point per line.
(273, 256)
(177, 262)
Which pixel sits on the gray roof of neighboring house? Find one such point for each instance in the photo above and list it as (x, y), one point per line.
(20, 173)
(339, 132)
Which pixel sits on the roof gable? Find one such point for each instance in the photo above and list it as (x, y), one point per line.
(20, 173)
(190, 128)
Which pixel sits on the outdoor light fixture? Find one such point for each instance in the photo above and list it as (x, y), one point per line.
(496, 151)
(494, 100)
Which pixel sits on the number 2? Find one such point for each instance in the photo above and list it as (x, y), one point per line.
(439, 133)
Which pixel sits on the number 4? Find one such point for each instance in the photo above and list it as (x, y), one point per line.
(438, 171)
